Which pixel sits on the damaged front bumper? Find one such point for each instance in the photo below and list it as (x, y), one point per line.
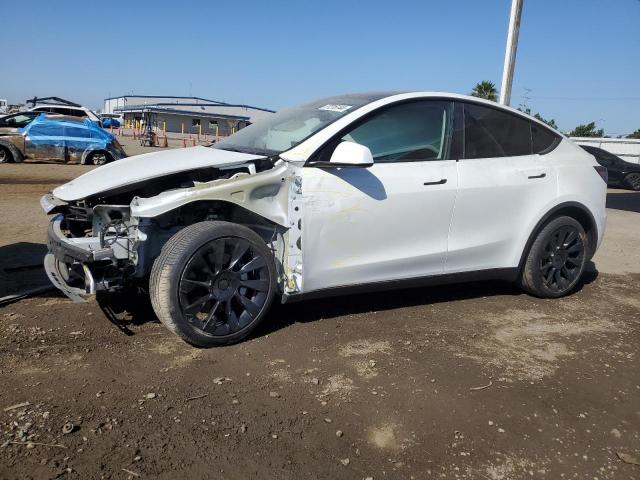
(80, 267)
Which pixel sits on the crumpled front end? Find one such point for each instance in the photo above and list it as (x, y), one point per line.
(109, 240)
(90, 249)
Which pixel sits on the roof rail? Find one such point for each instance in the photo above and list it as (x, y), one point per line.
(51, 100)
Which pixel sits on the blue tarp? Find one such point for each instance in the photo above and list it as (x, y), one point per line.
(79, 134)
(109, 122)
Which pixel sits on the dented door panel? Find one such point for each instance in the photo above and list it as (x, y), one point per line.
(377, 224)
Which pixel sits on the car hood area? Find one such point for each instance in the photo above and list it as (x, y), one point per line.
(148, 166)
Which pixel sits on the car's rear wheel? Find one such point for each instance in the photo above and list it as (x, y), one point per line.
(5, 155)
(213, 283)
(632, 181)
(98, 158)
(556, 260)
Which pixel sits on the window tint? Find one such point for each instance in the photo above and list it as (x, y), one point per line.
(490, 132)
(407, 132)
(543, 139)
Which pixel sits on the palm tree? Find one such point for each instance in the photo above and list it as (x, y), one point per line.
(485, 89)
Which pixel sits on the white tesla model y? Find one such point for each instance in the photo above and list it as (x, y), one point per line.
(350, 193)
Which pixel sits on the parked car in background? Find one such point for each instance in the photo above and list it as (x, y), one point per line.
(60, 106)
(344, 194)
(110, 120)
(621, 173)
(59, 138)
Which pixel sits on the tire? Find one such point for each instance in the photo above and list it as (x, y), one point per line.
(556, 260)
(98, 158)
(5, 155)
(213, 283)
(632, 181)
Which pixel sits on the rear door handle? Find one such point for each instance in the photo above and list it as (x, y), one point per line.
(542, 175)
(442, 181)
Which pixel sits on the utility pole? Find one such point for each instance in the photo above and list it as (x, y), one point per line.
(510, 53)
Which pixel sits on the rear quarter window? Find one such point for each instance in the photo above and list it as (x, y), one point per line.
(544, 140)
(490, 133)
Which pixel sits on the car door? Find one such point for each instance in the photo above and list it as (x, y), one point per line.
(77, 139)
(44, 140)
(391, 220)
(502, 188)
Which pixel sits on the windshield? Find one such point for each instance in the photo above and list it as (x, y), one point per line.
(287, 128)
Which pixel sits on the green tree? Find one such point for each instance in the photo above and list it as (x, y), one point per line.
(588, 130)
(635, 134)
(485, 89)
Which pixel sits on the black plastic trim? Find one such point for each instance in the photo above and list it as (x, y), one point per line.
(506, 274)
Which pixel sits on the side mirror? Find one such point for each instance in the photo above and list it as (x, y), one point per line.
(349, 154)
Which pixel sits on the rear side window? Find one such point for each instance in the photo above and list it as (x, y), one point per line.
(544, 140)
(490, 133)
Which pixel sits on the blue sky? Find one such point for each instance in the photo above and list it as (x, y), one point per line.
(579, 58)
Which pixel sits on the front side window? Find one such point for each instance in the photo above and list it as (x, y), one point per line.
(489, 133)
(407, 132)
(195, 122)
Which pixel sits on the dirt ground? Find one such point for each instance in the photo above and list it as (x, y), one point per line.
(474, 381)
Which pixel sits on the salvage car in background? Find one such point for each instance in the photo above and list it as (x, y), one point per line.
(59, 138)
(345, 194)
(621, 173)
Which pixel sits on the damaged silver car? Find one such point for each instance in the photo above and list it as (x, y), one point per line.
(346, 193)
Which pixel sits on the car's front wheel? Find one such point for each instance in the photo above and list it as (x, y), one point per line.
(213, 283)
(5, 155)
(632, 181)
(556, 260)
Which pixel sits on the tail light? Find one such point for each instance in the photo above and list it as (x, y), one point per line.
(602, 171)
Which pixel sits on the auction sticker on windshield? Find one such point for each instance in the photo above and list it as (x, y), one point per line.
(336, 108)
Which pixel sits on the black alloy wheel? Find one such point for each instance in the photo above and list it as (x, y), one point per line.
(213, 283)
(224, 286)
(556, 259)
(632, 181)
(562, 258)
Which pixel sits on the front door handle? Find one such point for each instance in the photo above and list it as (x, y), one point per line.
(542, 175)
(442, 181)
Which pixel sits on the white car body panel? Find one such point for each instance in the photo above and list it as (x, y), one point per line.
(496, 198)
(371, 225)
(146, 167)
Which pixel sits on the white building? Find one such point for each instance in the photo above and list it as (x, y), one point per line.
(186, 114)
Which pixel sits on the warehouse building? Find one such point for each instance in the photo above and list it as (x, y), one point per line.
(185, 114)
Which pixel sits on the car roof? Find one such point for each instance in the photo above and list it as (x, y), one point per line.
(390, 94)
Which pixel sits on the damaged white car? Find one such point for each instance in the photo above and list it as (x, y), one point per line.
(350, 193)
